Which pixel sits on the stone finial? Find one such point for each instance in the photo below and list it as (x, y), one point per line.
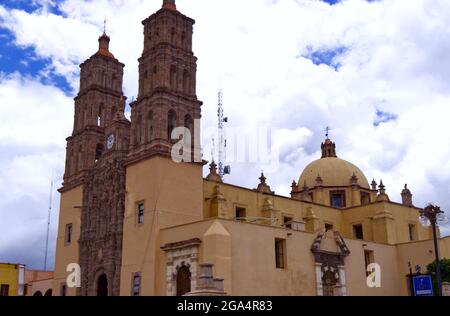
(382, 196)
(262, 186)
(213, 175)
(407, 196)
(374, 185)
(294, 190)
(382, 188)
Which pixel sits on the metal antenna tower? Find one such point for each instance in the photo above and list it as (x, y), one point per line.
(223, 170)
(48, 223)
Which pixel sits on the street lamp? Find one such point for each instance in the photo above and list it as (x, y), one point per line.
(433, 216)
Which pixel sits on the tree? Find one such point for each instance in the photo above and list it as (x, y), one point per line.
(445, 272)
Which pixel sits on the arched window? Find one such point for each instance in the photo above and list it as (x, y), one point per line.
(186, 82)
(172, 123)
(183, 280)
(102, 285)
(100, 116)
(98, 152)
(188, 124)
(149, 126)
(139, 130)
(49, 292)
(173, 77)
(38, 293)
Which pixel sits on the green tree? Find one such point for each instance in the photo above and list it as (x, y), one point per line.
(445, 272)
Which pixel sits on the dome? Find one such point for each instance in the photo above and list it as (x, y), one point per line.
(334, 172)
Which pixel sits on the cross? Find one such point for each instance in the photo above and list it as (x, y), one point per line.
(327, 130)
(104, 25)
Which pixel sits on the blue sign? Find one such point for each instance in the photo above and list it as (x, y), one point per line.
(423, 286)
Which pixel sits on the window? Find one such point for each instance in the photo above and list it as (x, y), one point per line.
(4, 290)
(328, 227)
(172, 122)
(337, 199)
(241, 213)
(412, 232)
(368, 259)
(358, 232)
(280, 253)
(69, 231)
(136, 287)
(287, 221)
(98, 152)
(365, 198)
(149, 126)
(63, 290)
(140, 213)
(173, 77)
(186, 82)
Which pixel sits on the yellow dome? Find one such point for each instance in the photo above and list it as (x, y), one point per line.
(334, 172)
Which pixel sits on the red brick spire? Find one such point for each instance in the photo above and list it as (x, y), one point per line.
(169, 5)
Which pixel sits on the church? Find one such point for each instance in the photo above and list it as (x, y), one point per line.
(140, 224)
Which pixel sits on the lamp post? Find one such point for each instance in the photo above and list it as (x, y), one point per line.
(433, 216)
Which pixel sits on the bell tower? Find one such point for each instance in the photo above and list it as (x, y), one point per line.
(163, 191)
(167, 86)
(99, 99)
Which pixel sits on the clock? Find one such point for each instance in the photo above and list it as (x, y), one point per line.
(110, 141)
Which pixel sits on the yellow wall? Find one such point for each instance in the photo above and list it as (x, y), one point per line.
(70, 213)
(9, 274)
(172, 194)
(249, 267)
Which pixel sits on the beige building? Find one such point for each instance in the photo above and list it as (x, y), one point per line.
(138, 223)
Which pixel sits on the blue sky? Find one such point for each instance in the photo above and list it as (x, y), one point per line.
(372, 70)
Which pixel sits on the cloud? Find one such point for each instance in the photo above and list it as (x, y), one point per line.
(377, 72)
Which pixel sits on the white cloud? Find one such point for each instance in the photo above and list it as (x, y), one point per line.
(396, 61)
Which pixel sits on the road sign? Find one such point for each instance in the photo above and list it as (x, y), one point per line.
(423, 286)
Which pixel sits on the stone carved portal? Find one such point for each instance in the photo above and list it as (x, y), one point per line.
(329, 251)
(182, 266)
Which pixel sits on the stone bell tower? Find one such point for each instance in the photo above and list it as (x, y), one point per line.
(164, 191)
(167, 84)
(99, 99)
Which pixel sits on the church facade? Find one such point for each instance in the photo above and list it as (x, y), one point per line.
(138, 223)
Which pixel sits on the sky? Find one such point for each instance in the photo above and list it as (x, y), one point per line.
(376, 72)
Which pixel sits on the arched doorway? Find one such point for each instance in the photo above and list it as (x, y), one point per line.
(102, 285)
(183, 281)
(329, 283)
(38, 293)
(49, 293)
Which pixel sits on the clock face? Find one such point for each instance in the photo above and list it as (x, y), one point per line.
(110, 141)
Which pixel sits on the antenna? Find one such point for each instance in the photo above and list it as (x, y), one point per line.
(222, 141)
(48, 223)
